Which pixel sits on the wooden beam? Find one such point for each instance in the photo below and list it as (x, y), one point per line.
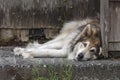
(114, 47)
(114, 0)
(104, 21)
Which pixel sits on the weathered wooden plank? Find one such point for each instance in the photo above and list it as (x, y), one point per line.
(44, 13)
(114, 0)
(114, 22)
(10, 34)
(24, 35)
(114, 46)
(104, 21)
(51, 33)
(114, 37)
(6, 34)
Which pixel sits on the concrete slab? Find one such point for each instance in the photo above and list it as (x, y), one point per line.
(16, 68)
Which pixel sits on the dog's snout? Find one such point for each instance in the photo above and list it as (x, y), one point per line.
(80, 56)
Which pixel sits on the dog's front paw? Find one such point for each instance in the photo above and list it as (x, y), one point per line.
(18, 51)
(27, 55)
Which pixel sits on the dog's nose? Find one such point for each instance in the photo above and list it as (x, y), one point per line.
(80, 56)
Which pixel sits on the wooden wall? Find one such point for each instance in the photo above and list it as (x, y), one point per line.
(22, 20)
(104, 21)
(114, 36)
(110, 27)
(44, 13)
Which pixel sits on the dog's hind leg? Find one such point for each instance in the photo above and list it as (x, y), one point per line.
(57, 39)
(55, 45)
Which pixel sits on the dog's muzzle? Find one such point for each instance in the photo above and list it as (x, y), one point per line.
(80, 56)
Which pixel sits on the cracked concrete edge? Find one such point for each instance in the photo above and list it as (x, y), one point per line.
(82, 70)
(8, 58)
(85, 70)
(55, 61)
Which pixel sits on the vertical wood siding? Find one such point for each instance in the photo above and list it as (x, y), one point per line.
(25, 14)
(104, 21)
(114, 34)
(114, 22)
(41, 19)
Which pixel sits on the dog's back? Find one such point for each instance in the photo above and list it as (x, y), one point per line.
(73, 25)
(74, 28)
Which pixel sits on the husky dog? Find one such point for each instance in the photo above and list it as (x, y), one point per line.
(78, 40)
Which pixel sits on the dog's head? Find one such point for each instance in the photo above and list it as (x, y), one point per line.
(88, 46)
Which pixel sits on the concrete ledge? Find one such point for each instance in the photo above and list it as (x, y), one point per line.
(16, 68)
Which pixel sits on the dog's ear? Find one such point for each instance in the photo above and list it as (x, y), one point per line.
(87, 30)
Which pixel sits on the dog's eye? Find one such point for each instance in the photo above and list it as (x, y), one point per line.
(85, 44)
(92, 50)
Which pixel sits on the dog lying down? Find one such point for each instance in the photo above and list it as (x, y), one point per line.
(78, 40)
